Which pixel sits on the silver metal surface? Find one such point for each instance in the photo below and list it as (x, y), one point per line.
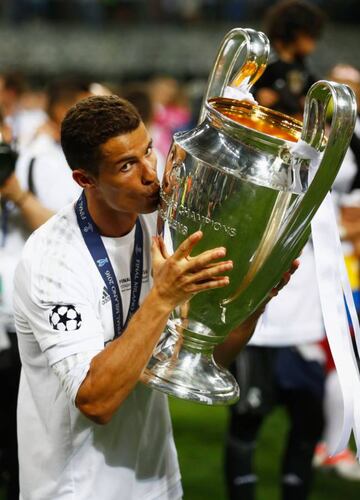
(236, 178)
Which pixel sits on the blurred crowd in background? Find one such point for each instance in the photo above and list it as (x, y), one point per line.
(96, 12)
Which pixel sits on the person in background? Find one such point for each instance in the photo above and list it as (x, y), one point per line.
(171, 110)
(283, 363)
(41, 185)
(9, 358)
(22, 120)
(294, 28)
(346, 192)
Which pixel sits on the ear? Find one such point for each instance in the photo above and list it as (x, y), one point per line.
(83, 178)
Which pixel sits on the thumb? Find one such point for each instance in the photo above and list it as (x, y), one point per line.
(156, 254)
(162, 247)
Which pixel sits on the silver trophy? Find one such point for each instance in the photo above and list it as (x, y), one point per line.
(239, 177)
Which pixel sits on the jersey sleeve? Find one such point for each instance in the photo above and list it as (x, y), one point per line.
(72, 371)
(55, 301)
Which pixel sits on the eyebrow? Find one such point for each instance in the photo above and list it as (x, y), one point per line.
(125, 159)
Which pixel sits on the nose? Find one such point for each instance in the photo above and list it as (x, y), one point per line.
(148, 172)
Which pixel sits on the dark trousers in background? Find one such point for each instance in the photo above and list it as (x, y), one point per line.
(9, 377)
(269, 377)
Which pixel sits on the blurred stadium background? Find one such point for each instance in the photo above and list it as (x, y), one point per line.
(121, 40)
(117, 41)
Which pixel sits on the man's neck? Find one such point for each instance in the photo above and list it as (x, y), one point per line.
(109, 222)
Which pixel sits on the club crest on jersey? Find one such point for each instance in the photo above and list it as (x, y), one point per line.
(65, 318)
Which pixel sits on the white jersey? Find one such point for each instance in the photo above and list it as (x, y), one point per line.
(294, 316)
(24, 124)
(64, 318)
(54, 187)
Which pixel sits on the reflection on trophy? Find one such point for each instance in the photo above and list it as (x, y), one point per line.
(249, 178)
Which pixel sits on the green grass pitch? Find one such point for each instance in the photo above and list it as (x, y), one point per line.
(199, 436)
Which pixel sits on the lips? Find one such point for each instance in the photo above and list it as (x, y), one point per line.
(155, 194)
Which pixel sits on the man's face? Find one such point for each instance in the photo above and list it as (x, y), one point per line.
(304, 45)
(127, 179)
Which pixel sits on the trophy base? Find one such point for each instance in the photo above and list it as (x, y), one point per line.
(189, 374)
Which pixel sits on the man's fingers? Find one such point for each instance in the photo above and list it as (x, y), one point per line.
(163, 248)
(285, 279)
(210, 272)
(217, 282)
(187, 245)
(294, 266)
(156, 252)
(206, 259)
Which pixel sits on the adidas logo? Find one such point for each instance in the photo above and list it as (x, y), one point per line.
(105, 296)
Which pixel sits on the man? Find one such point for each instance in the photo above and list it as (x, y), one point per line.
(82, 338)
(22, 119)
(294, 28)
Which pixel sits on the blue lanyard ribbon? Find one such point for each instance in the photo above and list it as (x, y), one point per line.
(100, 256)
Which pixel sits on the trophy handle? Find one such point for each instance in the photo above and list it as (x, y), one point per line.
(257, 52)
(342, 125)
(313, 133)
(297, 229)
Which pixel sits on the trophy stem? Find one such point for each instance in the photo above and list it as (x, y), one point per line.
(183, 366)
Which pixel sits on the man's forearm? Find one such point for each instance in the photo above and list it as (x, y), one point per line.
(33, 212)
(226, 352)
(115, 371)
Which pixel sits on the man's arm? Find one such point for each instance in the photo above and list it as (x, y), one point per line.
(226, 352)
(33, 212)
(115, 371)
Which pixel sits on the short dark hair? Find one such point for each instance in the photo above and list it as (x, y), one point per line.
(288, 18)
(91, 123)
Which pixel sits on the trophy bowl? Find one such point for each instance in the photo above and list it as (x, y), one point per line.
(250, 179)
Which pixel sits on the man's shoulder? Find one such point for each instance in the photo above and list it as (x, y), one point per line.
(59, 232)
(54, 259)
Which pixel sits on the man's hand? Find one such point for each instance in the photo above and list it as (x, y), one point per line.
(274, 292)
(11, 189)
(253, 319)
(226, 352)
(178, 277)
(285, 279)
